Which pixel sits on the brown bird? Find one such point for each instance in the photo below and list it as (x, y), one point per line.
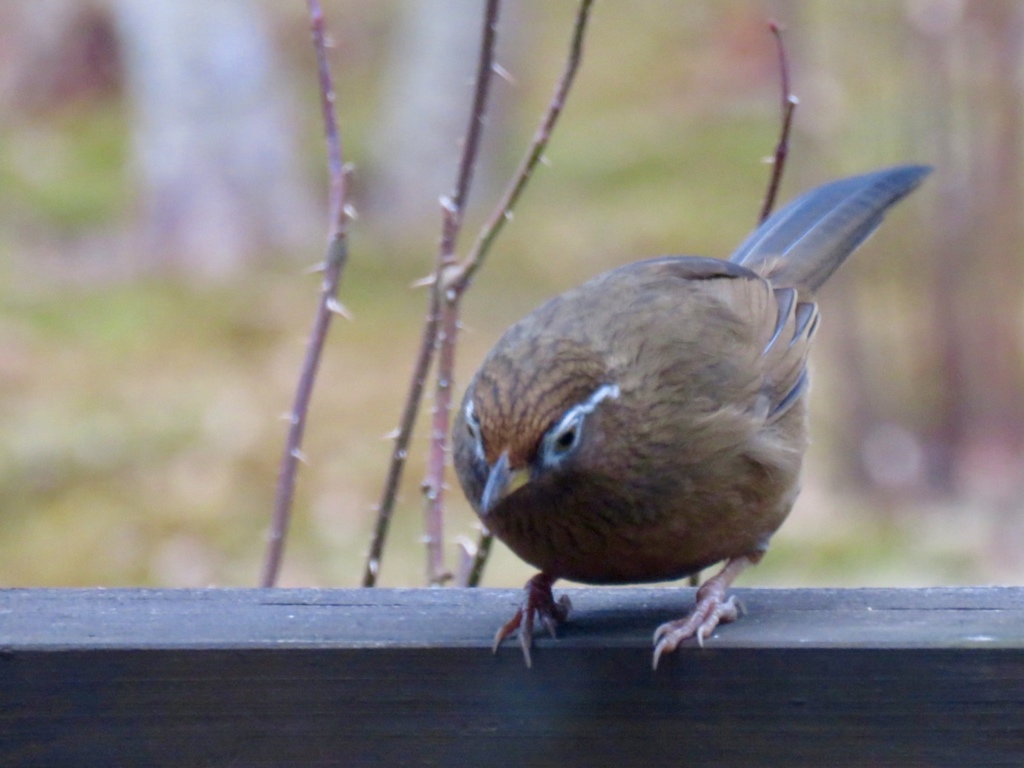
(652, 421)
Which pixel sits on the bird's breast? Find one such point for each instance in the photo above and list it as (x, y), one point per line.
(605, 530)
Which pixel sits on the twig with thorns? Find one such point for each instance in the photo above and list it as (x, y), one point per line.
(789, 102)
(329, 305)
(450, 280)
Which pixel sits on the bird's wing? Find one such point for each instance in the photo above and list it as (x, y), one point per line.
(781, 328)
(784, 358)
(749, 341)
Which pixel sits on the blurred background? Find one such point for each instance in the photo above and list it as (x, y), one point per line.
(162, 195)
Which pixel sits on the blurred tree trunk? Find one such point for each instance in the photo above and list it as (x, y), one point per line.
(963, 392)
(819, 49)
(214, 143)
(948, 261)
(427, 91)
(977, 266)
(55, 52)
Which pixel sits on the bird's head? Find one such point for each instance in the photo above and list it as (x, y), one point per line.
(527, 417)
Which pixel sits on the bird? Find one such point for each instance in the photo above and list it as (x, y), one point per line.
(652, 422)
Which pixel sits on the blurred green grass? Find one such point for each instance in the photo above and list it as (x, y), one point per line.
(68, 173)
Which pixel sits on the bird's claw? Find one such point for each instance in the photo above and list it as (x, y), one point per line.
(540, 603)
(711, 610)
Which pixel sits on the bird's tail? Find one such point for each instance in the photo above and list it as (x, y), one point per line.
(801, 245)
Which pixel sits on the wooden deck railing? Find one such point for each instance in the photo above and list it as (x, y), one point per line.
(316, 678)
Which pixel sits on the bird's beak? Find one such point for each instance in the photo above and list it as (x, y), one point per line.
(501, 482)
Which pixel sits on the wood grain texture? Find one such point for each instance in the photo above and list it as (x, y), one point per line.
(405, 677)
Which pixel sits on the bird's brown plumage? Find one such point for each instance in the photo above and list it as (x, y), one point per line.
(635, 503)
(656, 415)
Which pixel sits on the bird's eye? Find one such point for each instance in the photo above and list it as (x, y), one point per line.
(566, 439)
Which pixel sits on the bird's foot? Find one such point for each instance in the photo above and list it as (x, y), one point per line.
(712, 609)
(540, 603)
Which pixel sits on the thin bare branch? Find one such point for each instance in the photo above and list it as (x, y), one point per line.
(403, 436)
(334, 264)
(433, 483)
(789, 102)
(503, 211)
(452, 214)
(441, 327)
(475, 572)
(471, 143)
(459, 279)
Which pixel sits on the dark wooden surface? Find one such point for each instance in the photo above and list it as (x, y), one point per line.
(406, 677)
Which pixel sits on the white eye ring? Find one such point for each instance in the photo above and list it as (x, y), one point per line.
(563, 438)
(566, 436)
(473, 427)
